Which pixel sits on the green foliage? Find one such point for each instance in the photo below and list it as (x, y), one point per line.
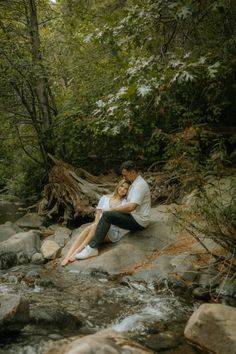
(166, 81)
(130, 79)
(218, 157)
(26, 180)
(217, 210)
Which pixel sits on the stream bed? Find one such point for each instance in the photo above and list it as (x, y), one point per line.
(154, 317)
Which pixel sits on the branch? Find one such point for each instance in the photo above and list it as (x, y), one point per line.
(22, 145)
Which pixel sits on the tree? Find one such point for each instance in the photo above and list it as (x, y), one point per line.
(26, 95)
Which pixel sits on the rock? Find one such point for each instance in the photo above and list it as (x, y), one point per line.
(211, 245)
(50, 249)
(7, 259)
(30, 221)
(163, 341)
(104, 342)
(61, 235)
(14, 312)
(213, 328)
(183, 266)
(201, 294)
(22, 258)
(157, 272)
(23, 243)
(37, 258)
(209, 278)
(53, 317)
(133, 249)
(168, 267)
(218, 189)
(7, 230)
(13, 279)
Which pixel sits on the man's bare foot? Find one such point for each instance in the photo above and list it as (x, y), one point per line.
(72, 259)
(64, 262)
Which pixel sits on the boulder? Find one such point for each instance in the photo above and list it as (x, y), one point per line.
(134, 247)
(37, 258)
(14, 312)
(7, 259)
(50, 249)
(221, 190)
(132, 250)
(19, 246)
(104, 342)
(7, 230)
(213, 328)
(183, 266)
(54, 317)
(61, 235)
(30, 221)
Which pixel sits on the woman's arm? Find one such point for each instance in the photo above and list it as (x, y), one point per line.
(126, 208)
(97, 216)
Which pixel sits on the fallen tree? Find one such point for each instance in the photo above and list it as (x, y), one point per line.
(70, 192)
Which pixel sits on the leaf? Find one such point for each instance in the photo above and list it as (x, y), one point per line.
(185, 76)
(184, 12)
(143, 90)
(213, 69)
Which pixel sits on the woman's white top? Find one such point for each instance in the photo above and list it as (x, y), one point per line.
(115, 233)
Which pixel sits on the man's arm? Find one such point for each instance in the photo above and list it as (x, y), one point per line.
(126, 208)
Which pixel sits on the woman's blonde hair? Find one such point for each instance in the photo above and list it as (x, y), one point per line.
(115, 193)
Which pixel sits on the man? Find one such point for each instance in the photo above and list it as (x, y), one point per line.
(133, 216)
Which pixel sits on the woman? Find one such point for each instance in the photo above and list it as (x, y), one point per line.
(106, 202)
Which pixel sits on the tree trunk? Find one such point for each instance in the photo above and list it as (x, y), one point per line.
(46, 105)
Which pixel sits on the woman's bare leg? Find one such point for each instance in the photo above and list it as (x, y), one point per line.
(86, 240)
(78, 241)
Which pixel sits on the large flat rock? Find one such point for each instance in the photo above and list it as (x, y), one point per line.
(133, 249)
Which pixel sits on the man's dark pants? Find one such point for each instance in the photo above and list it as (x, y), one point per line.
(122, 220)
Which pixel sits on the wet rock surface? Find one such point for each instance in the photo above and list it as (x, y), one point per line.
(14, 312)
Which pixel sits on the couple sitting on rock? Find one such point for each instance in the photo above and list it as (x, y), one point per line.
(127, 209)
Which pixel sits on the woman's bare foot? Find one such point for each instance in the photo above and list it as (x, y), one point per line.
(72, 259)
(64, 262)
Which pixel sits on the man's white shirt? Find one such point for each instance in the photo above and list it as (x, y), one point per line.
(139, 193)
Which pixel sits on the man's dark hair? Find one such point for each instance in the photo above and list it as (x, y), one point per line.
(129, 166)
